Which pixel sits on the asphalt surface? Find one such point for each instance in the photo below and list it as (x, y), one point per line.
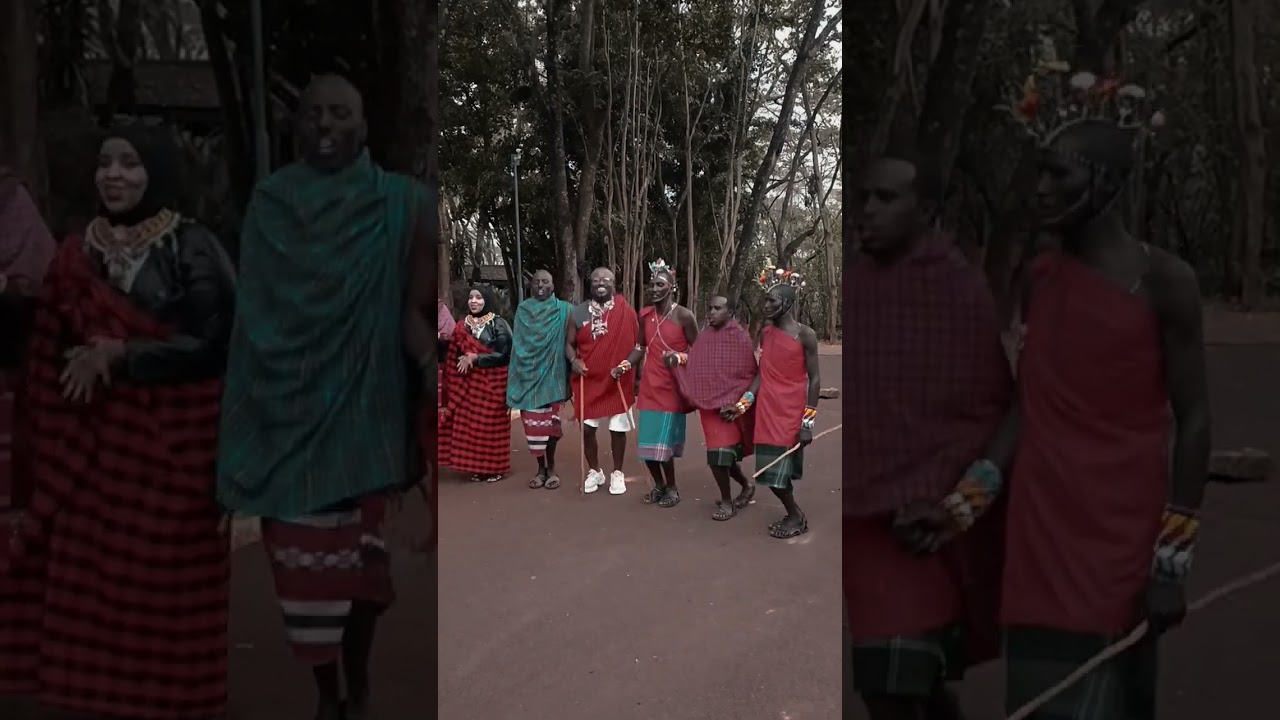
(556, 605)
(1220, 663)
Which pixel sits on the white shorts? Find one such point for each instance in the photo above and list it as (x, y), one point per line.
(617, 423)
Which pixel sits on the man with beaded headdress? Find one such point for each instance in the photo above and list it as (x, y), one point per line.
(931, 385)
(665, 327)
(785, 397)
(1106, 490)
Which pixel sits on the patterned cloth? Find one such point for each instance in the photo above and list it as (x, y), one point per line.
(539, 370)
(724, 456)
(541, 426)
(1037, 659)
(317, 380)
(444, 320)
(923, 349)
(787, 470)
(323, 563)
(721, 366)
(661, 435)
(475, 428)
(913, 666)
(115, 595)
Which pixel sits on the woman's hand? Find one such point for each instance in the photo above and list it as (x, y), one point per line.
(466, 362)
(86, 365)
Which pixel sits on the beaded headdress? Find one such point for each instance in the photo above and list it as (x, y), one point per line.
(771, 277)
(660, 266)
(1053, 99)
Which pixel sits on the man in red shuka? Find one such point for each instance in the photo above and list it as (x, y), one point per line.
(931, 386)
(602, 332)
(1101, 527)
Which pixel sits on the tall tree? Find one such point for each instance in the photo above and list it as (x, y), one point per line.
(1252, 173)
(19, 90)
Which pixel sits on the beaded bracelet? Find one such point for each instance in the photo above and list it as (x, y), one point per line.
(974, 494)
(625, 365)
(810, 418)
(1175, 545)
(682, 358)
(745, 402)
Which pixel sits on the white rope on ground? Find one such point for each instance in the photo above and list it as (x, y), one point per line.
(1137, 634)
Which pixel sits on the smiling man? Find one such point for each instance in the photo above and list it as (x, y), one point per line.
(538, 382)
(600, 334)
(331, 338)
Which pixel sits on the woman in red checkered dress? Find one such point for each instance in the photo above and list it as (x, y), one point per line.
(116, 580)
(475, 425)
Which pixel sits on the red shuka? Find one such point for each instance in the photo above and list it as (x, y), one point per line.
(475, 427)
(923, 347)
(116, 590)
(784, 389)
(658, 390)
(1091, 475)
(598, 393)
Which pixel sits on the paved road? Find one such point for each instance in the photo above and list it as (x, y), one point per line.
(555, 605)
(1221, 663)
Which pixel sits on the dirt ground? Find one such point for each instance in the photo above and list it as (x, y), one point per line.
(555, 605)
(1220, 663)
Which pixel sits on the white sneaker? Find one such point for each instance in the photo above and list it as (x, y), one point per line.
(617, 483)
(595, 478)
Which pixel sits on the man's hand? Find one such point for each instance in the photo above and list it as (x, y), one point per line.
(578, 367)
(1165, 604)
(729, 413)
(86, 365)
(670, 358)
(618, 372)
(923, 527)
(804, 437)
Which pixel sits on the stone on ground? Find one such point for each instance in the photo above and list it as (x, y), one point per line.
(829, 393)
(1244, 465)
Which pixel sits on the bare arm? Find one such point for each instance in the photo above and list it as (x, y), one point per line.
(637, 352)
(809, 341)
(690, 325)
(420, 296)
(1182, 334)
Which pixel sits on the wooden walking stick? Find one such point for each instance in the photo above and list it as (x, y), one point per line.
(582, 433)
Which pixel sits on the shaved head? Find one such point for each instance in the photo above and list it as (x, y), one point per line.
(332, 128)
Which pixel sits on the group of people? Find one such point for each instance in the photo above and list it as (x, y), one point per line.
(627, 371)
(1053, 512)
(159, 392)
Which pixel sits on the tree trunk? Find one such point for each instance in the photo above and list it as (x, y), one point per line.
(240, 170)
(571, 279)
(949, 91)
(19, 89)
(760, 183)
(1252, 171)
(123, 38)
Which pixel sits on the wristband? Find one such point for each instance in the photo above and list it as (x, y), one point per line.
(974, 494)
(625, 365)
(1175, 545)
(682, 358)
(810, 418)
(744, 403)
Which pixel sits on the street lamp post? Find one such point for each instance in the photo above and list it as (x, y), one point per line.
(515, 174)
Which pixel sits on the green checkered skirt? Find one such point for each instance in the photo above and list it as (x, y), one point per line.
(909, 666)
(725, 456)
(782, 475)
(1123, 688)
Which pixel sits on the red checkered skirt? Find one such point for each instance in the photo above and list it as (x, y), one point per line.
(116, 580)
(475, 426)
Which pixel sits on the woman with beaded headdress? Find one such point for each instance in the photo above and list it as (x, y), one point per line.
(785, 397)
(1104, 498)
(665, 327)
(118, 576)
